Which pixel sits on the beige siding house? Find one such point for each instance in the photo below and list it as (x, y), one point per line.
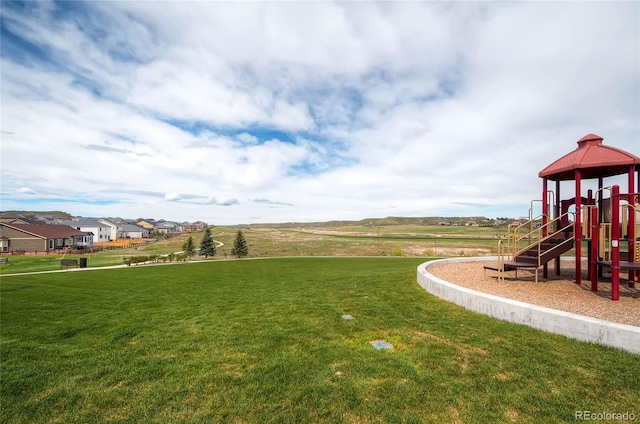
(41, 238)
(149, 225)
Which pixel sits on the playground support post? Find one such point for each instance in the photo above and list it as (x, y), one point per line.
(593, 256)
(556, 214)
(545, 214)
(615, 243)
(631, 200)
(577, 228)
(587, 228)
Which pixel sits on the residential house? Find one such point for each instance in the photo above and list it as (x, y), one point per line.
(113, 228)
(169, 227)
(50, 219)
(149, 224)
(194, 227)
(131, 231)
(42, 237)
(14, 218)
(101, 232)
(4, 244)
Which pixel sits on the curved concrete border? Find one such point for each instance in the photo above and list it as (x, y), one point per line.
(621, 336)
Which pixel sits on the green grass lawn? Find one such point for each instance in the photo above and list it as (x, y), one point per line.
(255, 341)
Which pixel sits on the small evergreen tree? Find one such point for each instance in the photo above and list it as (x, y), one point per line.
(240, 248)
(207, 246)
(157, 234)
(188, 247)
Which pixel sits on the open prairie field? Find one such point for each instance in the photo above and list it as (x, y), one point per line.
(348, 241)
(253, 341)
(318, 239)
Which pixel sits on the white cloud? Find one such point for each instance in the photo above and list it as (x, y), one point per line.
(247, 138)
(172, 197)
(305, 111)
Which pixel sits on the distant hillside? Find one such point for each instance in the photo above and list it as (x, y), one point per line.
(55, 214)
(367, 222)
(380, 222)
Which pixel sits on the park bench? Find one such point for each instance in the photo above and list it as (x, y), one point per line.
(66, 263)
(4, 261)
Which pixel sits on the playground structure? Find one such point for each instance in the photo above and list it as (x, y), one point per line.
(607, 221)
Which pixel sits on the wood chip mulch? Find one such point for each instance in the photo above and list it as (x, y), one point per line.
(555, 292)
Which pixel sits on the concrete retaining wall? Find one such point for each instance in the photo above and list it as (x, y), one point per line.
(621, 336)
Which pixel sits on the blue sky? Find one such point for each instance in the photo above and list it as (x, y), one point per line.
(244, 112)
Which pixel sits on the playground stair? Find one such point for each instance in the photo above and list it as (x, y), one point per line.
(536, 254)
(539, 254)
(543, 242)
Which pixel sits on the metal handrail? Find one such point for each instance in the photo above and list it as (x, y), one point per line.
(627, 210)
(605, 236)
(500, 261)
(541, 238)
(534, 237)
(604, 240)
(513, 232)
(587, 232)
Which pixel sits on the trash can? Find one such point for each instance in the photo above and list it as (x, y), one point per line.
(83, 262)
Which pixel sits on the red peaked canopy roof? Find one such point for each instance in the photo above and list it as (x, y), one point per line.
(593, 159)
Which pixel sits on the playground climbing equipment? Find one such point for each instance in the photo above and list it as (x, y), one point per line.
(534, 243)
(608, 226)
(611, 234)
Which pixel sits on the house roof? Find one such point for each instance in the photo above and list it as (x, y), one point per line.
(133, 227)
(108, 222)
(20, 218)
(593, 159)
(86, 223)
(47, 231)
(149, 222)
(14, 220)
(167, 224)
